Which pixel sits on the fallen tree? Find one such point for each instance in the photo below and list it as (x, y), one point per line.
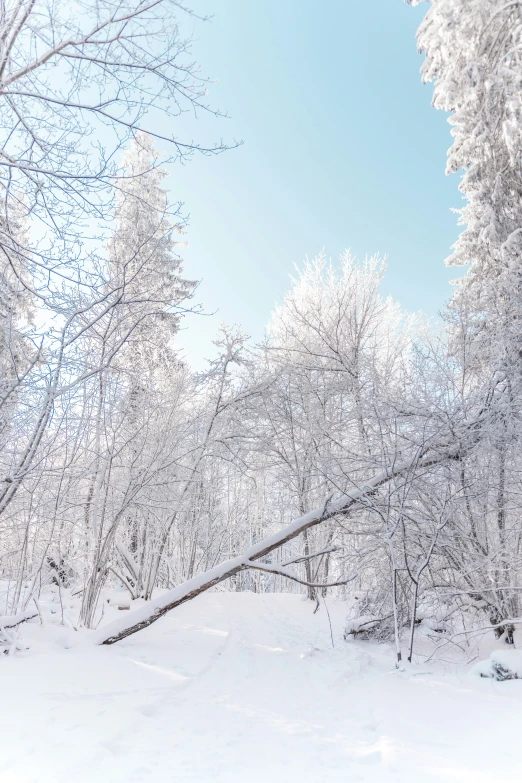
(426, 457)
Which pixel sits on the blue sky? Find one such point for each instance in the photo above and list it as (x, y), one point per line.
(342, 149)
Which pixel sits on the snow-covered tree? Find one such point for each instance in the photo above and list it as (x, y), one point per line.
(473, 57)
(16, 305)
(143, 256)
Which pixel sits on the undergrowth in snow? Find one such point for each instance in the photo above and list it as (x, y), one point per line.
(501, 665)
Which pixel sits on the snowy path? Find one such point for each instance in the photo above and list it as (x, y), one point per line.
(242, 687)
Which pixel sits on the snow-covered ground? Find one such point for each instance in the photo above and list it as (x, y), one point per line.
(236, 687)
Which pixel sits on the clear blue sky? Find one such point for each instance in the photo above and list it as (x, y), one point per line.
(342, 149)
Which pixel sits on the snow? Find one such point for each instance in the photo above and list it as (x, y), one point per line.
(235, 687)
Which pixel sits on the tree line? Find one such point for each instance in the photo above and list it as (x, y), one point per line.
(357, 450)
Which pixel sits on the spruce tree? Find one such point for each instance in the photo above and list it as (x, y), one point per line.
(474, 58)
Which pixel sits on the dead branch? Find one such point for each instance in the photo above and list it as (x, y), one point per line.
(283, 572)
(303, 558)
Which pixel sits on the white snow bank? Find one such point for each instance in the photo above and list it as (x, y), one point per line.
(236, 687)
(501, 665)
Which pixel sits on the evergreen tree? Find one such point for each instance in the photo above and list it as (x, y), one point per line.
(145, 265)
(474, 57)
(144, 261)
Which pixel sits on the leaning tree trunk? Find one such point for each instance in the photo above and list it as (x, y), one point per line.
(148, 614)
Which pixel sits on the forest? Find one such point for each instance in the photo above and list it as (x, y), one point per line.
(359, 464)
